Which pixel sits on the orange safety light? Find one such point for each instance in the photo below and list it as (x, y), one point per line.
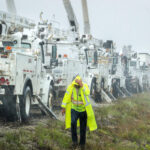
(8, 48)
(65, 56)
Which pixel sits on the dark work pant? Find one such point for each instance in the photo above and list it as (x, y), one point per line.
(82, 116)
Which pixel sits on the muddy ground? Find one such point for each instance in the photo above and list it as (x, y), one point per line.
(122, 125)
(35, 118)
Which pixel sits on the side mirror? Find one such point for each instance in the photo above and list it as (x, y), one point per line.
(54, 52)
(42, 50)
(1, 29)
(86, 55)
(95, 57)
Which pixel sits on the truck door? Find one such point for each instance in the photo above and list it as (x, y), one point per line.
(38, 62)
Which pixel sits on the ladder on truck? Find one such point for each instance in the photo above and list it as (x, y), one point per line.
(16, 21)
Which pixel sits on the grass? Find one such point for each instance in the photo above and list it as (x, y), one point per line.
(125, 125)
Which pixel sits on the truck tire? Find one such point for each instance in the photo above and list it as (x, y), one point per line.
(93, 91)
(93, 87)
(25, 104)
(9, 107)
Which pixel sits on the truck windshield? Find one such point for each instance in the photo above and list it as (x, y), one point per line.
(26, 45)
(133, 63)
(90, 57)
(8, 43)
(17, 46)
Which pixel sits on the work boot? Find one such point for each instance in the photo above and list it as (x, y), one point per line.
(74, 146)
(82, 147)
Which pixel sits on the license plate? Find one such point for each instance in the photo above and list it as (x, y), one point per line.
(2, 91)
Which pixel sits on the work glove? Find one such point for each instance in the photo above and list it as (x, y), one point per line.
(63, 111)
(79, 82)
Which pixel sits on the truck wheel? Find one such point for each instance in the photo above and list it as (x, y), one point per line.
(25, 104)
(93, 87)
(93, 91)
(9, 107)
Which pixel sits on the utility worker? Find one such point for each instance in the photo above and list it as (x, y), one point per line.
(76, 104)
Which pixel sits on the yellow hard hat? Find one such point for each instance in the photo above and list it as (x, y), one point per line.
(74, 81)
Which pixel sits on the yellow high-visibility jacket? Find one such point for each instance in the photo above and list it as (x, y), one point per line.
(66, 103)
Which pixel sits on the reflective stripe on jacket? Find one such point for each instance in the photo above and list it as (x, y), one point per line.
(77, 102)
(66, 103)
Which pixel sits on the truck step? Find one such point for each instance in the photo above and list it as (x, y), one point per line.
(120, 92)
(105, 96)
(45, 108)
(126, 91)
(110, 95)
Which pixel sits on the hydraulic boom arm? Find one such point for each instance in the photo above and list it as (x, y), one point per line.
(86, 17)
(71, 15)
(10, 22)
(11, 6)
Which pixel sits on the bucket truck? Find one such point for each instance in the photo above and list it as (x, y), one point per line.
(23, 75)
(104, 78)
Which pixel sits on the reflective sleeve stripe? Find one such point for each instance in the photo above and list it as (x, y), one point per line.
(87, 102)
(67, 92)
(64, 104)
(84, 88)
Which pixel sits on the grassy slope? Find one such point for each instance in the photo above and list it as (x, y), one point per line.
(122, 126)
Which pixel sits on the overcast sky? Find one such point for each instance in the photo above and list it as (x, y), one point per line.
(124, 21)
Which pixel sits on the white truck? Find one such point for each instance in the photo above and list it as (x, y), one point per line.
(105, 67)
(69, 65)
(69, 62)
(23, 77)
(138, 72)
